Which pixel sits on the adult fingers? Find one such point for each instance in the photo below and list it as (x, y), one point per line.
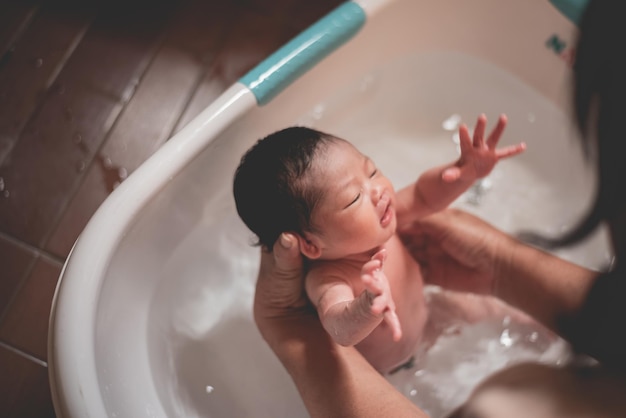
(287, 258)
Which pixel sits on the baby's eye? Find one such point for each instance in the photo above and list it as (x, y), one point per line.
(354, 201)
(374, 173)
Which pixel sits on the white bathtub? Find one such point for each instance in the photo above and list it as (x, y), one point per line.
(152, 316)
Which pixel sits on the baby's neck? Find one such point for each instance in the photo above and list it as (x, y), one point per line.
(357, 258)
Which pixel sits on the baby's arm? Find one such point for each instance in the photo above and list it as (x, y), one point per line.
(349, 318)
(438, 187)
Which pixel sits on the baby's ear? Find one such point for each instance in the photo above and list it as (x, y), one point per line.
(309, 246)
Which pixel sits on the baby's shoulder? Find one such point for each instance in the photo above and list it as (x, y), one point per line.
(332, 270)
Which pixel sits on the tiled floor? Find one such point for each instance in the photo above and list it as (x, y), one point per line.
(86, 95)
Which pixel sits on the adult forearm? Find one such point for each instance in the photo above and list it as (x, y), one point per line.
(332, 380)
(541, 284)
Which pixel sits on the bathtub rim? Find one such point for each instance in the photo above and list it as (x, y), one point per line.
(71, 350)
(75, 388)
(67, 381)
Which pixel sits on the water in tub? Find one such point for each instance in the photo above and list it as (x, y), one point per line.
(210, 359)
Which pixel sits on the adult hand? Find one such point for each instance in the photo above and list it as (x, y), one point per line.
(458, 251)
(280, 284)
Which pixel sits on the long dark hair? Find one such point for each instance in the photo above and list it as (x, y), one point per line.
(600, 106)
(600, 113)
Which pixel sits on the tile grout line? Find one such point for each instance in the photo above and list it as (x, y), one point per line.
(46, 91)
(33, 249)
(73, 193)
(70, 50)
(207, 69)
(20, 30)
(23, 354)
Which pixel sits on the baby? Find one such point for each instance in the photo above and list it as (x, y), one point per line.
(367, 288)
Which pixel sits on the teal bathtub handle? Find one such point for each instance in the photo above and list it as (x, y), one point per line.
(572, 9)
(300, 54)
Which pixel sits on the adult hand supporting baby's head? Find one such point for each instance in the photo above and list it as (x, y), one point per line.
(280, 284)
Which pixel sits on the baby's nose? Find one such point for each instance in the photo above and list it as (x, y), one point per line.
(377, 192)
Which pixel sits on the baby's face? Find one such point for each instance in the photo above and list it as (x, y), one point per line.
(357, 210)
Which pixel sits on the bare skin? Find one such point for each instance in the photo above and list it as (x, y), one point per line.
(366, 287)
(457, 250)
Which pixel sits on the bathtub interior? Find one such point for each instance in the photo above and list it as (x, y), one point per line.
(174, 333)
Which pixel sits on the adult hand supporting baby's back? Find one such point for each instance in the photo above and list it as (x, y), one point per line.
(457, 250)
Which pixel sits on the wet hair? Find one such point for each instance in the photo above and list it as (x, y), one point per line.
(272, 190)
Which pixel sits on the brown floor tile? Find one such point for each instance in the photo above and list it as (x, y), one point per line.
(200, 27)
(25, 324)
(32, 65)
(259, 28)
(146, 123)
(252, 38)
(24, 387)
(305, 13)
(209, 89)
(150, 116)
(117, 49)
(89, 197)
(15, 17)
(16, 263)
(44, 169)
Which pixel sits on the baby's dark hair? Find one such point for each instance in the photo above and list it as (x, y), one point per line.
(271, 190)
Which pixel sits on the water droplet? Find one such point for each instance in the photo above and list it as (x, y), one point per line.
(106, 162)
(420, 373)
(533, 337)
(485, 184)
(451, 123)
(318, 112)
(78, 138)
(122, 173)
(38, 63)
(505, 338)
(413, 392)
(80, 167)
(210, 389)
(506, 321)
(367, 83)
(1, 184)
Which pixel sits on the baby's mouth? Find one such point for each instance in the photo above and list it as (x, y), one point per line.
(384, 206)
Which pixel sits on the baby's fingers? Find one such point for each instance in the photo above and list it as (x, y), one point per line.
(392, 320)
(372, 285)
(510, 151)
(495, 135)
(479, 130)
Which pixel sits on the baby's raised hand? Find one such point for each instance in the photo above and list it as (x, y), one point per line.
(479, 156)
(377, 288)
